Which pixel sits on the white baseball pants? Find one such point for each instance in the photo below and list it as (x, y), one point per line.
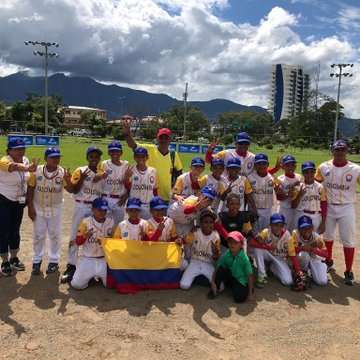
(317, 268)
(290, 215)
(316, 219)
(263, 220)
(345, 217)
(87, 269)
(278, 266)
(81, 211)
(196, 268)
(43, 227)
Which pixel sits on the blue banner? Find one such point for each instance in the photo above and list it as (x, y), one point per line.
(28, 139)
(231, 147)
(44, 140)
(172, 146)
(216, 149)
(189, 148)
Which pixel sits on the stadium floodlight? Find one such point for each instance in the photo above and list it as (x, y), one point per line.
(339, 75)
(46, 54)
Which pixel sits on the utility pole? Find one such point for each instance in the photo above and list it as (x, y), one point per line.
(339, 75)
(46, 54)
(185, 96)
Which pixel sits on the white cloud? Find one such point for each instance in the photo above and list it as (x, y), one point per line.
(349, 17)
(158, 45)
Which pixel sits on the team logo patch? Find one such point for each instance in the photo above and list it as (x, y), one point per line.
(270, 183)
(39, 178)
(58, 180)
(348, 177)
(152, 179)
(109, 171)
(249, 165)
(109, 232)
(327, 172)
(125, 234)
(88, 178)
(136, 178)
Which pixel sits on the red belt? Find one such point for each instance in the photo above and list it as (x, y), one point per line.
(112, 196)
(83, 201)
(311, 212)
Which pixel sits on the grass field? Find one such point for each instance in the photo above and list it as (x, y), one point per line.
(74, 148)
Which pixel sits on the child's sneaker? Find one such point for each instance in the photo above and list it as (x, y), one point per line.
(261, 281)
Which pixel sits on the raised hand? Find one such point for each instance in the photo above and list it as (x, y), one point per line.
(67, 176)
(128, 173)
(214, 144)
(126, 127)
(84, 174)
(34, 164)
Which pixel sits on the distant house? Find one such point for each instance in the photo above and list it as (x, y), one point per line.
(72, 115)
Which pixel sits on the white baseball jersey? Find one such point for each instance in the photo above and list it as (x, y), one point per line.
(286, 183)
(340, 182)
(201, 245)
(297, 241)
(240, 186)
(217, 184)
(176, 210)
(92, 246)
(263, 190)
(13, 185)
(314, 194)
(89, 190)
(247, 162)
(169, 231)
(143, 184)
(114, 183)
(281, 242)
(128, 231)
(183, 185)
(48, 192)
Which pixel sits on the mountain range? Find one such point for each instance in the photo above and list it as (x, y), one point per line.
(84, 91)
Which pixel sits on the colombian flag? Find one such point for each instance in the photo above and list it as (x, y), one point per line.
(142, 265)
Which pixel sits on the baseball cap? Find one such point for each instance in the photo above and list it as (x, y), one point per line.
(141, 151)
(304, 222)
(197, 162)
(288, 159)
(233, 162)
(133, 203)
(92, 149)
(207, 212)
(217, 162)
(209, 192)
(52, 152)
(243, 137)
(261, 158)
(236, 236)
(277, 219)
(158, 203)
(100, 203)
(339, 144)
(308, 165)
(16, 144)
(115, 145)
(164, 131)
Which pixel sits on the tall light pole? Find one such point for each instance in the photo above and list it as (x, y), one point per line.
(46, 54)
(339, 75)
(185, 96)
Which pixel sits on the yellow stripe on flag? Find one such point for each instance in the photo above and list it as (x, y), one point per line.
(141, 255)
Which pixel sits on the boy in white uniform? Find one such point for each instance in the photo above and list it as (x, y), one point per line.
(92, 229)
(340, 178)
(117, 171)
(87, 185)
(45, 199)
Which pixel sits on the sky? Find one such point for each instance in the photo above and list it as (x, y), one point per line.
(222, 48)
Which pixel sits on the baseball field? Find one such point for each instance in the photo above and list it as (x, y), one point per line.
(40, 319)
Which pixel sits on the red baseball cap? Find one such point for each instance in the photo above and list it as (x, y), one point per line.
(236, 236)
(164, 131)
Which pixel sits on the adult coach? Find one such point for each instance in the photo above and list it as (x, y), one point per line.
(166, 162)
(340, 178)
(14, 174)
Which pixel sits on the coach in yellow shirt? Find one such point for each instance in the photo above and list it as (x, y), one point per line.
(168, 165)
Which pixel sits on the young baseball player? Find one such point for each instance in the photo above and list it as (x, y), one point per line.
(237, 184)
(263, 186)
(133, 228)
(234, 270)
(288, 181)
(143, 182)
(91, 230)
(310, 250)
(310, 198)
(87, 185)
(45, 200)
(189, 183)
(116, 171)
(186, 212)
(340, 178)
(271, 246)
(205, 250)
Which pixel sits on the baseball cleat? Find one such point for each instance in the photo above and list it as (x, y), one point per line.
(261, 281)
(36, 269)
(52, 268)
(16, 264)
(349, 278)
(68, 274)
(330, 265)
(6, 268)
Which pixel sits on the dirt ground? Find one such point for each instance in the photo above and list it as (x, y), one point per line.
(40, 319)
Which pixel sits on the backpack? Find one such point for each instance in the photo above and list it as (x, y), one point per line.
(174, 173)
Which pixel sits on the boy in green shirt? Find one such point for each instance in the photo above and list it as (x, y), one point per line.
(234, 270)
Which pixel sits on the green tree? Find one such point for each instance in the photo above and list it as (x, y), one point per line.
(96, 124)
